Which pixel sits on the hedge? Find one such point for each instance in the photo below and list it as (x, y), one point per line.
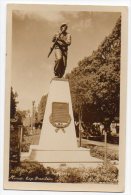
(110, 139)
(36, 172)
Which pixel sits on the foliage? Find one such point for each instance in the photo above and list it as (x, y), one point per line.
(30, 140)
(14, 152)
(13, 103)
(113, 139)
(14, 156)
(32, 171)
(100, 174)
(41, 108)
(25, 146)
(36, 172)
(95, 83)
(22, 114)
(96, 138)
(99, 152)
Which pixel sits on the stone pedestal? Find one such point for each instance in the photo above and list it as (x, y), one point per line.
(52, 138)
(58, 143)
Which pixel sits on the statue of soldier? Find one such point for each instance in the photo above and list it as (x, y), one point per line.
(63, 40)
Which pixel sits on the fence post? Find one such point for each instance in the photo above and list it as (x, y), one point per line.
(79, 126)
(105, 140)
(20, 139)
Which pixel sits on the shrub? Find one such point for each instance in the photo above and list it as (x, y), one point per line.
(14, 155)
(29, 140)
(25, 146)
(70, 175)
(36, 172)
(96, 138)
(32, 171)
(113, 139)
(100, 174)
(99, 152)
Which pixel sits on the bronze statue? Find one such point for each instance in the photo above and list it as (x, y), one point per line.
(61, 42)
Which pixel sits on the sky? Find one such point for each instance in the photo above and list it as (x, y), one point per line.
(32, 33)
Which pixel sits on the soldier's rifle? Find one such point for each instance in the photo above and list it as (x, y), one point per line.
(53, 46)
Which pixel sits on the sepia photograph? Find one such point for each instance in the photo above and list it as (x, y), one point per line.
(65, 106)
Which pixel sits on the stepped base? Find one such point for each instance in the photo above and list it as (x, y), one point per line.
(78, 155)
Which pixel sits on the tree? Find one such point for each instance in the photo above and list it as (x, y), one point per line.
(14, 131)
(41, 108)
(13, 103)
(95, 82)
(21, 114)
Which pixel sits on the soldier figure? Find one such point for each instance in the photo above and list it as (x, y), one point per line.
(61, 48)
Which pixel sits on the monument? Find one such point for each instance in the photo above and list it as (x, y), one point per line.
(58, 142)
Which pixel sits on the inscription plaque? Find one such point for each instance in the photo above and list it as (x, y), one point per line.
(60, 117)
(60, 112)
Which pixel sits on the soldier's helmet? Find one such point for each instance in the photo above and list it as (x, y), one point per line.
(64, 24)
